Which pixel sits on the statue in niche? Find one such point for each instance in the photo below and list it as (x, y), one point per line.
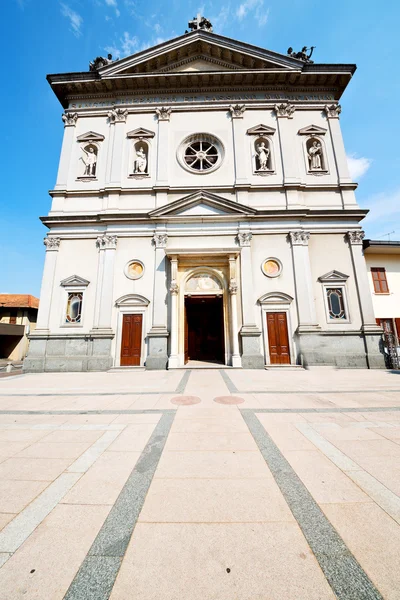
(140, 163)
(262, 155)
(89, 160)
(314, 154)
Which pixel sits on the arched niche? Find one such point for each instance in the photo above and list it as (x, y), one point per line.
(262, 155)
(140, 157)
(315, 155)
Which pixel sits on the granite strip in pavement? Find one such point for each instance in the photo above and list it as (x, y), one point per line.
(97, 574)
(342, 571)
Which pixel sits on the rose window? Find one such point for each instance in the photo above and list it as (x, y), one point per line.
(200, 153)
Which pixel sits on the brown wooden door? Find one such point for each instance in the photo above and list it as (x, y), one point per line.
(131, 343)
(278, 338)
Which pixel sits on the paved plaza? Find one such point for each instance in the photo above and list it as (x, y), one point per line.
(200, 484)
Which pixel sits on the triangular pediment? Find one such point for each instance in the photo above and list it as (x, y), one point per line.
(261, 130)
(140, 133)
(200, 51)
(333, 277)
(202, 204)
(90, 136)
(74, 280)
(312, 130)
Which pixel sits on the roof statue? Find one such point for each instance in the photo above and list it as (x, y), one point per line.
(200, 22)
(303, 54)
(99, 62)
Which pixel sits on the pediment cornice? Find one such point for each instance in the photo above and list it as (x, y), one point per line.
(74, 280)
(90, 136)
(222, 206)
(312, 130)
(333, 277)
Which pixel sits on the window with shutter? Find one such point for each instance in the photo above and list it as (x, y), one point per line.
(379, 280)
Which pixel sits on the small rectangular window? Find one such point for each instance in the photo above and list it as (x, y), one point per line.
(13, 317)
(74, 308)
(336, 307)
(379, 280)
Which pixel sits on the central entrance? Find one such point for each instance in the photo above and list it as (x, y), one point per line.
(204, 328)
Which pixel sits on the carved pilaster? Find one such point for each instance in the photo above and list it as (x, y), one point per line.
(52, 244)
(237, 111)
(107, 242)
(164, 113)
(69, 119)
(284, 110)
(356, 237)
(299, 238)
(244, 238)
(160, 240)
(118, 115)
(333, 111)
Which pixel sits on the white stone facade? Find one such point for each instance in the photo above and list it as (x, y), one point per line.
(143, 223)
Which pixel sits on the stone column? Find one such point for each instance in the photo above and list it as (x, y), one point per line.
(158, 335)
(250, 333)
(239, 146)
(372, 332)
(233, 288)
(174, 289)
(332, 113)
(117, 118)
(46, 292)
(107, 245)
(69, 120)
(305, 301)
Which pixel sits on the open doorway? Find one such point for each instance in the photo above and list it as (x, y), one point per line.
(204, 329)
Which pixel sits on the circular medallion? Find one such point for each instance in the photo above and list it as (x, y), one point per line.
(185, 400)
(228, 400)
(271, 267)
(134, 269)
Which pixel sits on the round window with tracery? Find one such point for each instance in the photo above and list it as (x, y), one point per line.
(201, 153)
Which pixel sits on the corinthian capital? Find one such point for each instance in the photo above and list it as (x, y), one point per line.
(237, 111)
(164, 113)
(52, 243)
(299, 238)
(244, 238)
(355, 237)
(284, 110)
(69, 119)
(333, 111)
(106, 242)
(233, 286)
(160, 240)
(118, 115)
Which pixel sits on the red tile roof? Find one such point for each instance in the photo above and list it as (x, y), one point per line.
(19, 301)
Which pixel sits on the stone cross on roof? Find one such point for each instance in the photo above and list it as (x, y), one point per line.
(200, 22)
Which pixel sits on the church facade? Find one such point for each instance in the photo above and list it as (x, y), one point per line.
(203, 211)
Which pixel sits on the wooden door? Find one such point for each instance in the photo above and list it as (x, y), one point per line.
(131, 344)
(186, 337)
(278, 338)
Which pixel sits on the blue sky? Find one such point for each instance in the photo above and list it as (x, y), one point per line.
(49, 36)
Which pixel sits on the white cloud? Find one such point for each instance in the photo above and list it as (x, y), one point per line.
(157, 27)
(255, 8)
(383, 216)
(111, 2)
(358, 166)
(220, 20)
(127, 45)
(75, 19)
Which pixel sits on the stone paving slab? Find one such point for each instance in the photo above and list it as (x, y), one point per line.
(156, 500)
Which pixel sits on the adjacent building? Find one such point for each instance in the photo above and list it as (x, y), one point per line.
(18, 314)
(383, 263)
(204, 211)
